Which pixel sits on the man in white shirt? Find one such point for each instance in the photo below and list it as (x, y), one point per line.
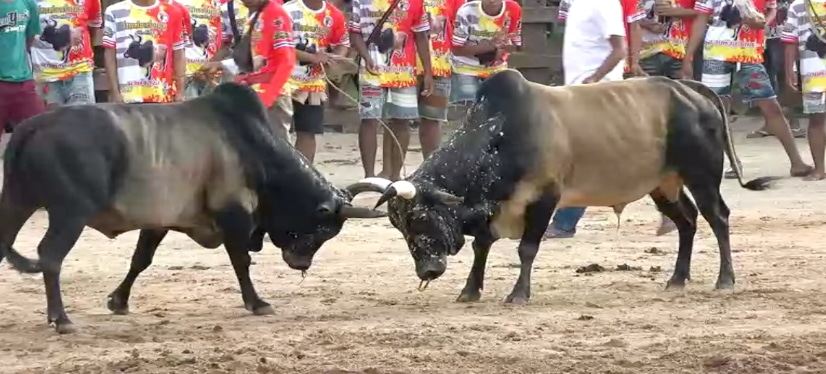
(594, 43)
(593, 50)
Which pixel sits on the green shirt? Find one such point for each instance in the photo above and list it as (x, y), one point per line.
(19, 20)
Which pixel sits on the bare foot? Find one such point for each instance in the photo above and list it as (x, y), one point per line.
(816, 175)
(801, 171)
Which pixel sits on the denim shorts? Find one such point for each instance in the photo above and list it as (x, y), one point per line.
(464, 88)
(196, 88)
(434, 107)
(752, 79)
(814, 103)
(388, 103)
(661, 64)
(79, 89)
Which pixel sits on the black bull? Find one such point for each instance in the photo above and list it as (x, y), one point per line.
(582, 146)
(210, 168)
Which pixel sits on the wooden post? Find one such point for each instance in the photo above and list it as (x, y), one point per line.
(535, 61)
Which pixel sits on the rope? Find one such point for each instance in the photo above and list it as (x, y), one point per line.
(212, 82)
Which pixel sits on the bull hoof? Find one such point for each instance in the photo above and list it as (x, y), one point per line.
(516, 300)
(724, 284)
(469, 297)
(65, 328)
(263, 310)
(675, 284)
(117, 306)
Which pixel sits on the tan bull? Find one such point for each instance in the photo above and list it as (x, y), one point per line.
(527, 149)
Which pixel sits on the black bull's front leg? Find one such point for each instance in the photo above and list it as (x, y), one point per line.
(148, 243)
(537, 217)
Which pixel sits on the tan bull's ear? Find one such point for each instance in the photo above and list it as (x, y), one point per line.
(447, 198)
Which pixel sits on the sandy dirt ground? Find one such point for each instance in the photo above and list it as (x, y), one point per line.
(358, 310)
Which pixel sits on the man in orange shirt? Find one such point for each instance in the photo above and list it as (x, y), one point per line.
(264, 59)
(62, 54)
(735, 50)
(140, 38)
(320, 32)
(666, 30)
(388, 79)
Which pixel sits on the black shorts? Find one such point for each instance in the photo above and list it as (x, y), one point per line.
(308, 118)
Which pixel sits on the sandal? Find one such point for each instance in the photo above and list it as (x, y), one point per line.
(799, 133)
(759, 134)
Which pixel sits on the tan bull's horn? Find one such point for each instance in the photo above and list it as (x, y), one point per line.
(372, 184)
(403, 189)
(349, 211)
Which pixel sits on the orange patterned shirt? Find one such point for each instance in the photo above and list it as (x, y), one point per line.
(739, 44)
(143, 38)
(55, 57)
(321, 28)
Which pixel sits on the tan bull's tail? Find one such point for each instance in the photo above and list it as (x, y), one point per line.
(757, 184)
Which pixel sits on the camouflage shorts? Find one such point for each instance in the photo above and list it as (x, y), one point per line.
(281, 116)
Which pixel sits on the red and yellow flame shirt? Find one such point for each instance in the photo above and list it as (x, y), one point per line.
(739, 44)
(396, 68)
(474, 26)
(440, 12)
(143, 38)
(203, 30)
(55, 57)
(273, 54)
(321, 28)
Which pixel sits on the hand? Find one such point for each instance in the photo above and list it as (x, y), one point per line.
(115, 97)
(500, 55)
(208, 70)
(399, 39)
(427, 85)
(371, 66)
(321, 57)
(76, 36)
(160, 53)
(657, 28)
(637, 70)
(437, 25)
(591, 79)
(665, 9)
(241, 79)
(755, 23)
(791, 81)
(687, 70)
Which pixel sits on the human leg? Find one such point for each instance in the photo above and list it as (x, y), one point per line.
(80, 89)
(372, 105)
(401, 108)
(281, 116)
(755, 85)
(432, 112)
(814, 104)
(308, 121)
(564, 222)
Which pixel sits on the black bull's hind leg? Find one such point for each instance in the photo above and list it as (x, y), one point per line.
(148, 243)
(476, 278)
(537, 217)
(237, 224)
(684, 215)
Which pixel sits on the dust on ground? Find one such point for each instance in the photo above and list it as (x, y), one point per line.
(598, 303)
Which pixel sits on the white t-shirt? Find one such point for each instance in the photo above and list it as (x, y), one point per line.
(589, 25)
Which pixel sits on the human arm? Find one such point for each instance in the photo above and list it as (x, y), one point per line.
(179, 38)
(461, 35)
(790, 34)
(357, 37)
(33, 26)
(94, 18)
(769, 15)
(276, 46)
(612, 28)
(705, 10)
(110, 59)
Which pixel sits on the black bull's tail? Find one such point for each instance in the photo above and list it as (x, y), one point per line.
(757, 184)
(8, 210)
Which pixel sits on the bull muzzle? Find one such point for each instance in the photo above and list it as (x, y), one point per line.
(431, 268)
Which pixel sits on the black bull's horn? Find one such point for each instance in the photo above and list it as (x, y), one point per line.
(349, 211)
(388, 189)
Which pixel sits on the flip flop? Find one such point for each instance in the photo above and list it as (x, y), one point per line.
(759, 134)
